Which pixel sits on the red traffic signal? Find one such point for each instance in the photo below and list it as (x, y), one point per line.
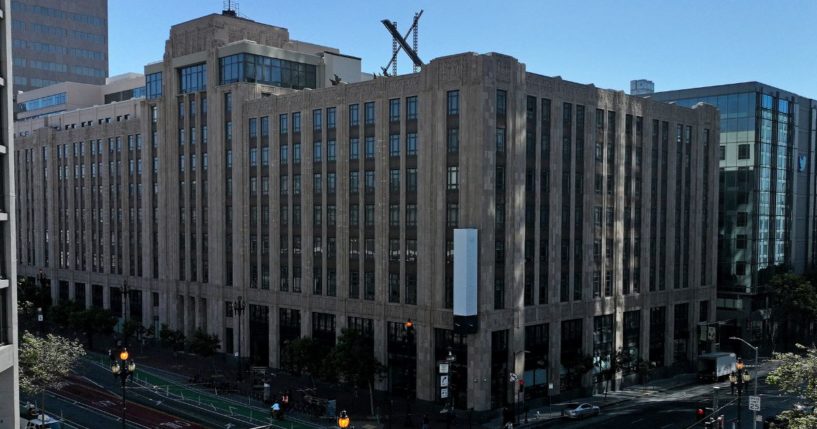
(700, 412)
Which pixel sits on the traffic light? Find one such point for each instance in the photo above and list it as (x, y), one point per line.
(699, 413)
(521, 386)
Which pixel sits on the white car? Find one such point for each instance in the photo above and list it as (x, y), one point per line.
(580, 411)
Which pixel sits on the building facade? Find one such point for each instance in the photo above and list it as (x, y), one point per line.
(767, 188)
(246, 172)
(9, 412)
(59, 41)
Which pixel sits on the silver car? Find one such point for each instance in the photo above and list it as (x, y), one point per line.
(580, 411)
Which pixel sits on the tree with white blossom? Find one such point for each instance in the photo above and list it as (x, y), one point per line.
(45, 362)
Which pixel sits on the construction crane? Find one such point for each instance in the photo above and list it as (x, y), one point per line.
(399, 42)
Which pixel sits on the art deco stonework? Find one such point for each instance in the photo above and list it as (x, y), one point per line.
(245, 172)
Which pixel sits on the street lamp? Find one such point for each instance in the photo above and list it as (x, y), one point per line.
(239, 307)
(122, 366)
(740, 380)
(754, 413)
(343, 420)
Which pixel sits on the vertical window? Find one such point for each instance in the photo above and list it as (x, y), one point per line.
(354, 148)
(394, 110)
(317, 119)
(453, 178)
(369, 112)
(369, 147)
(453, 140)
(411, 108)
(411, 144)
(296, 122)
(330, 118)
(282, 123)
(501, 102)
(354, 115)
(394, 145)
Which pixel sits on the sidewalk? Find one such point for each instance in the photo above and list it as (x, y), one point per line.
(543, 414)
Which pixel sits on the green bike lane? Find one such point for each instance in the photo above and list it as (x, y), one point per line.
(166, 387)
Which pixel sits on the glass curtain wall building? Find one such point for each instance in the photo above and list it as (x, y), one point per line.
(766, 199)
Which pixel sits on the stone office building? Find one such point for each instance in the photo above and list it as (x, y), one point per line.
(245, 172)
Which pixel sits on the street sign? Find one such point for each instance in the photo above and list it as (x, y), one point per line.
(712, 333)
(754, 403)
(514, 377)
(443, 368)
(443, 381)
(444, 393)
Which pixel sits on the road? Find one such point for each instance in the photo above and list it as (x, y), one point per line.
(676, 410)
(92, 399)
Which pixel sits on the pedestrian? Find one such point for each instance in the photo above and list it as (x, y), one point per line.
(426, 424)
(276, 411)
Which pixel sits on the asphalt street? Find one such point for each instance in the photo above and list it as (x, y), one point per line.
(676, 410)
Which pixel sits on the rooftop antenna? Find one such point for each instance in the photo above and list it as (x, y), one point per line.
(230, 8)
(403, 44)
(394, 50)
(415, 68)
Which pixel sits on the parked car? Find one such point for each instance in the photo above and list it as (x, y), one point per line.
(580, 411)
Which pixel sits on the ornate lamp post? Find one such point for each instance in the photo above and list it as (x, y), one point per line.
(122, 366)
(740, 379)
(754, 414)
(343, 420)
(238, 308)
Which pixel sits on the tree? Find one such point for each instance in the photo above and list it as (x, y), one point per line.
(306, 356)
(353, 358)
(204, 344)
(793, 302)
(45, 362)
(171, 338)
(797, 375)
(92, 321)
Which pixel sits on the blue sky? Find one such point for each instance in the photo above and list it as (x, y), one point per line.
(677, 44)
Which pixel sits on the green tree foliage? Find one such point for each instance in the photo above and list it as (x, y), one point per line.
(91, 322)
(204, 344)
(46, 361)
(793, 300)
(31, 296)
(353, 359)
(797, 375)
(171, 338)
(307, 356)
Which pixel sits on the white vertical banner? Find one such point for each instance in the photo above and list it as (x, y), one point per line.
(466, 272)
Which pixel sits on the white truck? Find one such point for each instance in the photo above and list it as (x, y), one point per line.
(716, 366)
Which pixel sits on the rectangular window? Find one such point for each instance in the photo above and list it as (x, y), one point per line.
(354, 115)
(453, 140)
(394, 145)
(394, 110)
(317, 119)
(453, 102)
(411, 108)
(354, 148)
(743, 151)
(368, 113)
(501, 102)
(452, 180)
(331, 118)
(282, 123)
(411, 180)
(369, 147)
(394, 181)
(331, 151)
(369, 181)
(411, 144)
(316, 151)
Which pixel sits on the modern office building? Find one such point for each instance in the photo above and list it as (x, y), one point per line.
(59, 41)
(767, 188)
(249, 171)
(68, 96)
(9, 412)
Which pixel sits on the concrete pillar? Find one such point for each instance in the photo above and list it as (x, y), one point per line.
(426, 384)
(274, 338)
(479, 371)
(106, 297)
